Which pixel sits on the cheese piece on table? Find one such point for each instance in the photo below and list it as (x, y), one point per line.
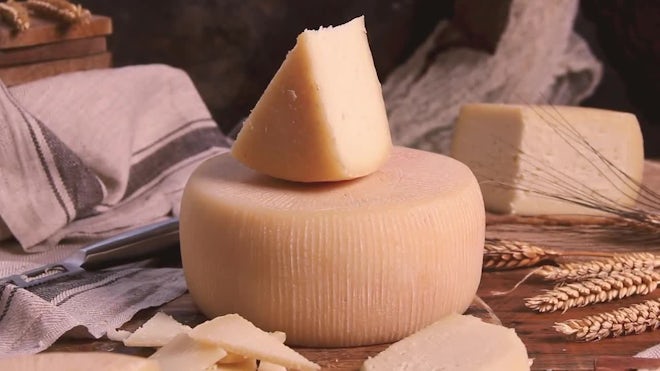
(238, 335)
(186, 354)
(156, 332)
(523, 154)
(78, 361)
(322, 117)
(455, 342)
(364, 261)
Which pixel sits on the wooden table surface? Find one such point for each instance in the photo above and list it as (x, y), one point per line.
(549, 349)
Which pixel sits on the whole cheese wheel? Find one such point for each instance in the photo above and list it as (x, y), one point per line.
(364, 261)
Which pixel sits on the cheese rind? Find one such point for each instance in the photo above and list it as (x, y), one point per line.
(322, 117)
(78, 361)
(455, 342)
(365, 261)
(526, 157)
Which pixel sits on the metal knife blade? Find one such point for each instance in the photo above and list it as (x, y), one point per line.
(132, 245)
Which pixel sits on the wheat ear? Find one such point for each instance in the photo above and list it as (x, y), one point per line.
(599, 268)
(509, 254)
(15, 15)
(60, 10)
(617, 285)
(634, 319)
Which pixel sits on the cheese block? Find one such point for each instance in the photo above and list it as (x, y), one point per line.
(322, 117)
(455, 342)
(529, 159)
(78, 361)
(156, 332)
(358, 262)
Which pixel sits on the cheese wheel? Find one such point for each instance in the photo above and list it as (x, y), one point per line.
(358, 262)
(322, 117)
(78, 361)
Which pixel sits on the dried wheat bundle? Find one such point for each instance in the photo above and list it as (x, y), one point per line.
(15, 14)
(59, 10)
(634, 319)
(599, 268)
(510, 254)
(616, 285)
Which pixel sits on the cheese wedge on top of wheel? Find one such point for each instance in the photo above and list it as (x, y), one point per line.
(322, 117)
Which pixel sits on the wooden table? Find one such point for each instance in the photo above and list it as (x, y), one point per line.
(549, 349)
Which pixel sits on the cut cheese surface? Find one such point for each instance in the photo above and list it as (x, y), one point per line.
(526, 157)
(237, 335)
(364, 261)
(322, 117)
(156, 332)
(186, 354)
(455, 342)
(246, 365)
(78, 361)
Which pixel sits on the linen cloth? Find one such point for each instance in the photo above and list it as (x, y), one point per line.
(84, 156)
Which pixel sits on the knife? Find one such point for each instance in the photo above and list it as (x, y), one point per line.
(132, 245)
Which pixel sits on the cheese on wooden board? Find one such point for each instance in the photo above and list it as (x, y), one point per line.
(455, 342)
(238, 335)
(322, 117)
(78, 361)
(156, 332)
(521, 154)
(359, 262)
(184, 353)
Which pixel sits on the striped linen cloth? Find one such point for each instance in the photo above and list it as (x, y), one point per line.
(84, 156)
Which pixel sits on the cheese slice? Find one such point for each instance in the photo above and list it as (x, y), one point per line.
(237, 335)
(322, 117)
(455, 343)
(529, 157)
(78, 361)
(269, 366)
(183, 353)
(359, 262)
(156, 332)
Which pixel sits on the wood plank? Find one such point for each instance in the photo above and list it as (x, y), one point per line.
(30, 72)
(53, 51)
(43, 31)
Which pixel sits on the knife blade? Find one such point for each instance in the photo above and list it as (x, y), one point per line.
(132, 245)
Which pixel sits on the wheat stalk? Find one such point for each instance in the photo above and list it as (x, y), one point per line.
(15, 15)
(634, 319)
(616, 285)
(599, 268)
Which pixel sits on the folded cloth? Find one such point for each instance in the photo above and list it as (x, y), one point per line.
(84, 156)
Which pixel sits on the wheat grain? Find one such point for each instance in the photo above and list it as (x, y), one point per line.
(616, 285)
(509, 254)
(600, 268)
(60, 10)
(15, 15)
(634, 319)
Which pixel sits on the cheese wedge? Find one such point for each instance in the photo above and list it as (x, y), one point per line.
(184, 353)
(529, 158)
(78, 361)
(322, 117)
(359, 262)
(455, 343)
(156, 332)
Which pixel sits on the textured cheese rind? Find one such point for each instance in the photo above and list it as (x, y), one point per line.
(156, 332)
(455, 343)
(519, 146)
(322, 117)
(365, 261)
(183, 353)
(238, 335)
(78, 361)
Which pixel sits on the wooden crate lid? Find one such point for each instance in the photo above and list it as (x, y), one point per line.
(43, 31)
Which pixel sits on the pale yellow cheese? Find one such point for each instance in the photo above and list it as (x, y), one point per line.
(322, 117)
(78, 361)
(237, 335)
(156, 332)
(526, 157)
(455, 343)
(269, 366)
(246, 365)
(365, 261)
(183, 353)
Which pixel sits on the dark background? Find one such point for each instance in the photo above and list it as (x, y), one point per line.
(231, 48)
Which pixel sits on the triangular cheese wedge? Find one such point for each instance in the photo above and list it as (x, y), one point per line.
(156, 332)
(322, 117)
